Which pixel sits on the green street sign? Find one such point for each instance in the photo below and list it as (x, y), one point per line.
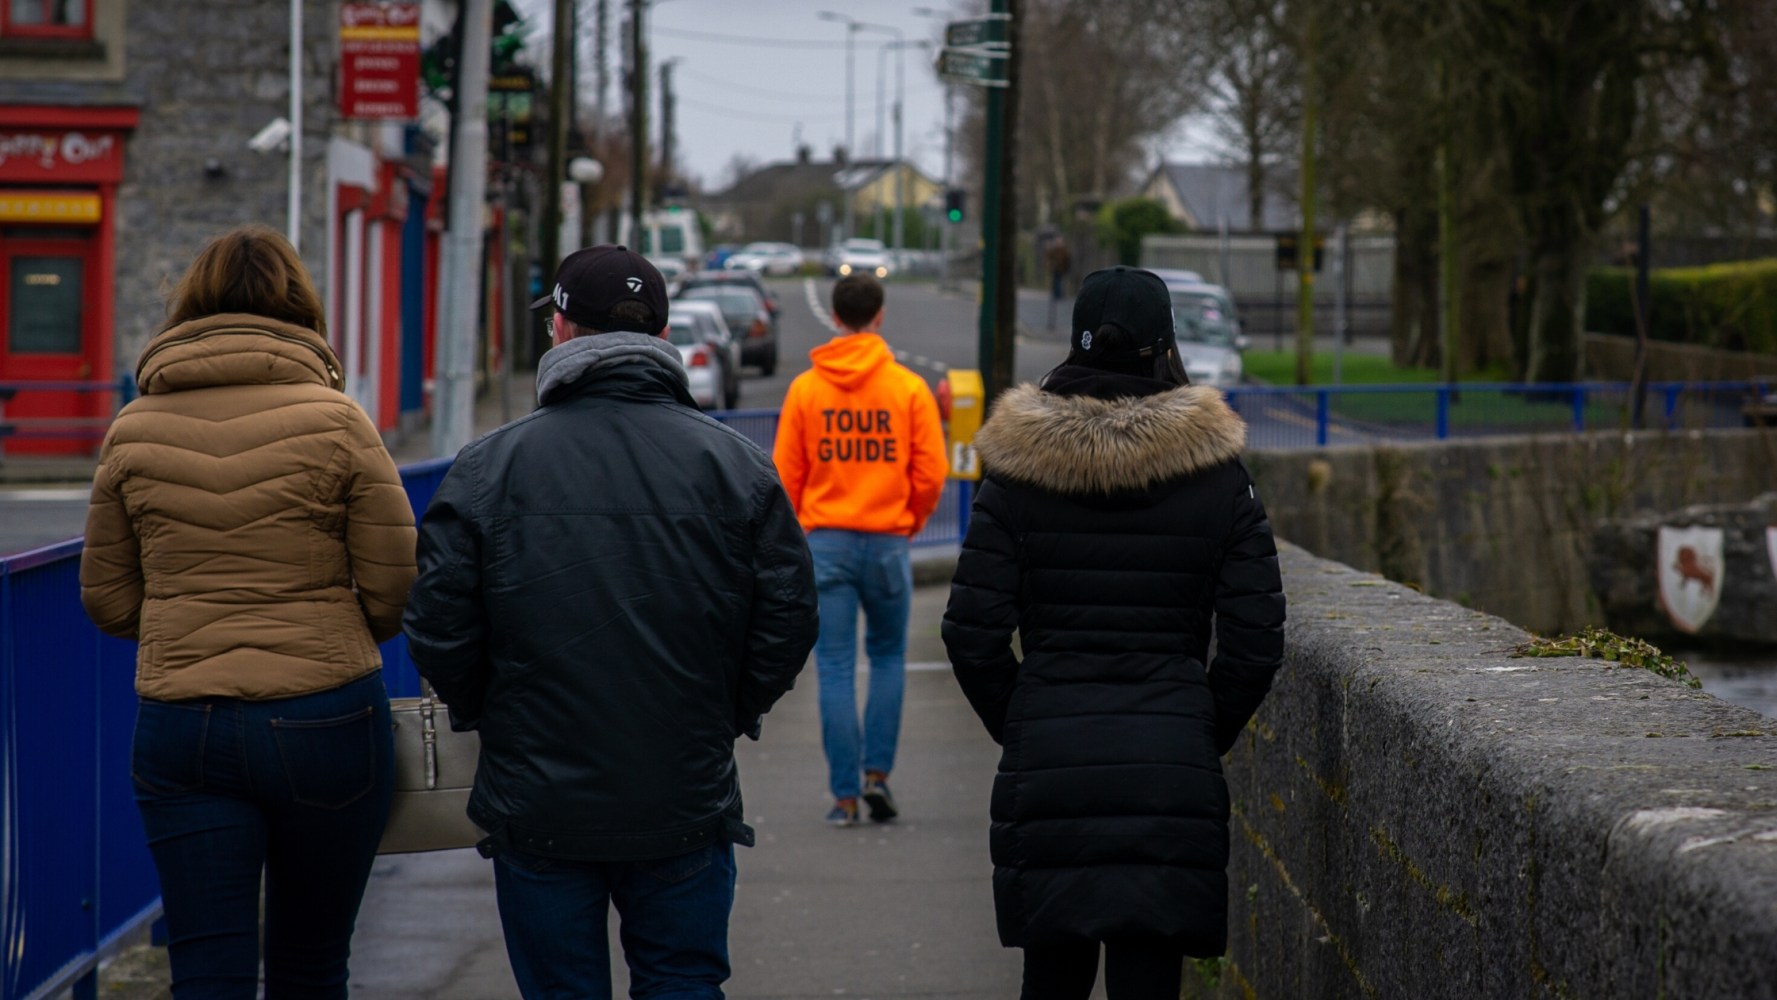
(981, 31)
(981, 67)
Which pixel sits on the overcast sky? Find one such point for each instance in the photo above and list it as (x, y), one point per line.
(755, 77)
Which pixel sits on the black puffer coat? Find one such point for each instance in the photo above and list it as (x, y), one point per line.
(611, 590)
(1115, 524)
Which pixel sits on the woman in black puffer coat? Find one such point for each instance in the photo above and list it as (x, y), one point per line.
(1115, 525)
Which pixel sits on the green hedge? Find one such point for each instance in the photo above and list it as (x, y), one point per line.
(1728, 306)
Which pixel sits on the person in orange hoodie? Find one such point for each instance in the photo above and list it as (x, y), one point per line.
(861, 454)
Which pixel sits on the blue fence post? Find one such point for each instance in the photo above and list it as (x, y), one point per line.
(1322, 411)
(1579, 407)
(1443, 411)
(1672, 392)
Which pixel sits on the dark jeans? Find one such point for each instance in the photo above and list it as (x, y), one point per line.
(674, 923)
(296, 789)
(1134, 969)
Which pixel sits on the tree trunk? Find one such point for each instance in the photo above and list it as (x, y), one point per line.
(1484, 299)
(1560, 272)
(1414, 260)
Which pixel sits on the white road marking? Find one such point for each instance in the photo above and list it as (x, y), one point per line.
(826, 319)
(814, 305)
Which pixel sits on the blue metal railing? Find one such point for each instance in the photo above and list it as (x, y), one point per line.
(75, 875)
(1318, 416)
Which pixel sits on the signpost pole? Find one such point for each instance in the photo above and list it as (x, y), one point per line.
(998, 293)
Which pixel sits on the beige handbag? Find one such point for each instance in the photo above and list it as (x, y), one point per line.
(434, 771)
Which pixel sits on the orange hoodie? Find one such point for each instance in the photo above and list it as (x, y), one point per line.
(859, 444)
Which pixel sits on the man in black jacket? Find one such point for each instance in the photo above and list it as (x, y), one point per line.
(612, 590)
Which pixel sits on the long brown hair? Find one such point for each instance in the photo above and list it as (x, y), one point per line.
(249, 269)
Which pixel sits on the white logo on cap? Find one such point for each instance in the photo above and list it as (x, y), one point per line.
(561, 298)
(635, 284)
(1085, 340)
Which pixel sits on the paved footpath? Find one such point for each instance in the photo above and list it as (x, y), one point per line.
(896, 910)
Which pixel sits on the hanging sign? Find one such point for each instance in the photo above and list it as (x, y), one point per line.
(1690, 570)
(379, 60)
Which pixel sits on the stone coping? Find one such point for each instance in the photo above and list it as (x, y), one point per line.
(1418, 813)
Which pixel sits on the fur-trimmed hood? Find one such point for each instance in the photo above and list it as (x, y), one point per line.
(1084, 444)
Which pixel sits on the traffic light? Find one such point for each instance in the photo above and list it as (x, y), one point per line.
(953, 204)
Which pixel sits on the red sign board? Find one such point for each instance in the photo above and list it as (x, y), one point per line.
(36, 155)
(379, 59)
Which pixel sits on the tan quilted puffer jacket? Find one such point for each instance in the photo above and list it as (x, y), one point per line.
(247, 525)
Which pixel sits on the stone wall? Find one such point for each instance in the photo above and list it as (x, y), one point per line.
(1611, 358)
(209, 76)
(1418, 814)
(1504, 525)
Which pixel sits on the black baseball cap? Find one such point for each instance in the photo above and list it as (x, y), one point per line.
(1137, 301)
(592, 281)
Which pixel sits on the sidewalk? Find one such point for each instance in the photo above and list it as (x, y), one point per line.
(897, 910)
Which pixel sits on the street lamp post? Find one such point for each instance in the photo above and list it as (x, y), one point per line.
(852, 27)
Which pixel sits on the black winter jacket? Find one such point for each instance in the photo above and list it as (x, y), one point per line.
(611, 590)
(1115, 524)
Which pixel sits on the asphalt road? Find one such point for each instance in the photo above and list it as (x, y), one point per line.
(930, 330)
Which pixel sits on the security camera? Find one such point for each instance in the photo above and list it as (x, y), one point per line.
(273, 136)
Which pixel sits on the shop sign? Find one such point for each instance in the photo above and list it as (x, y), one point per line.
(51, 155)
(49, 207)
(379, 58)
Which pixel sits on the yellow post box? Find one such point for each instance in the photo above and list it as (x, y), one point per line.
(967, 400)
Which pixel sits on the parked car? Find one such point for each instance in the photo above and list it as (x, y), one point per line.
(705, 318)
(745, 311)
(672, 271)
(767, 258)
(1177, 276)
(859, 254)
(718, 256)
(738, 277)
(703, 370)
(1209, 336)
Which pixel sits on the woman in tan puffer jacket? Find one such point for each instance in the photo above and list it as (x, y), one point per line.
(249, 530)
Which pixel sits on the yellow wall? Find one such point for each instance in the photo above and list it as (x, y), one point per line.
(916, 190)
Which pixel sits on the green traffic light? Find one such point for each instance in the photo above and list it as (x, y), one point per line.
(956, 215)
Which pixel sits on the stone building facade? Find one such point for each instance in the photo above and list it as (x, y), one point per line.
(124, 147)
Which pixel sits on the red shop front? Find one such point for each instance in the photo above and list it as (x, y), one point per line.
(59, 171)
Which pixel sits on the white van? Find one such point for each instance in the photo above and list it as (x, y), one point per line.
(671, 235)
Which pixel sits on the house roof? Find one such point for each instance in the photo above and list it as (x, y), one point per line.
(1210, 190)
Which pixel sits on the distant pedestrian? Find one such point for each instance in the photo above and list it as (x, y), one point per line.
(250, 531)
(1114, 527)
(612, 590)
(1058, 262)
(861, 452)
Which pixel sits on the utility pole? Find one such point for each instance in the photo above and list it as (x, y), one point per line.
(453, 422)
(561, 104)
(666, 125)
(999, 223)
(602, 79)
(638, 127)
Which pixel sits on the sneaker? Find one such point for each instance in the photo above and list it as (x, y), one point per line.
(845, 813)
(876, 794)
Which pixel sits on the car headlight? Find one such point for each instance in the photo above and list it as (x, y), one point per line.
(1231, 369)
(844, 269)
(882, 272)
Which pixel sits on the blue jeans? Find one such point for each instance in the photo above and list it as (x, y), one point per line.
(674, 923)
(854, 569)
(296, 788)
